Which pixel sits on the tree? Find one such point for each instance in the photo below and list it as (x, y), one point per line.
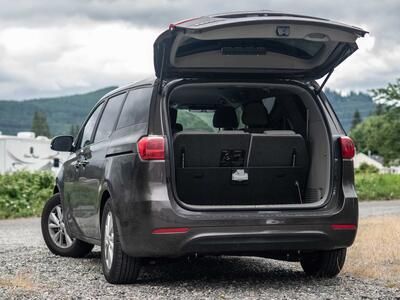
(73, 130)
(356, 119)
(389, 95)
(39, 124)
(379, 134)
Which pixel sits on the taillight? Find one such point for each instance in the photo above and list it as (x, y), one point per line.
(347, 147)
(151, 148)
(344, 226)
(173, 230)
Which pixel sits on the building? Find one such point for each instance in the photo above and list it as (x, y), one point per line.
(371, 160)
(27, 152)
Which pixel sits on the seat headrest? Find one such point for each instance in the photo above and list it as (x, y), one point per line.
(255, 115)
(225, 117)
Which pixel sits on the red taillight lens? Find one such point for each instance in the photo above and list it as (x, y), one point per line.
(347, 147)
(173, 230)
(344, 226)
(151, 148)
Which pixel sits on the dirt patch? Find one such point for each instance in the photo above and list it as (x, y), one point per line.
(376, 251)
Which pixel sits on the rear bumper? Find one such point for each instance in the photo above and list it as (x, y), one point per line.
(233, 232)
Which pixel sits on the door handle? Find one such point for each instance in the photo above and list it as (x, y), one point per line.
(83, 162)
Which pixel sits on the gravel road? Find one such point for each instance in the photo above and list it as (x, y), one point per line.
(26, 263)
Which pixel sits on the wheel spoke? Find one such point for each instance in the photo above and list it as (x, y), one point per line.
(54, 218)
(57, 228)
(62, 235)
(59, 212)
(54, 226)
(57, 237)
(109, 240)
(67, 239)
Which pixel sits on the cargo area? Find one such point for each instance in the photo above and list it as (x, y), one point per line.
(248, 145)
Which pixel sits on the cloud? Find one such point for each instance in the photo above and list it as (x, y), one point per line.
(52, 47)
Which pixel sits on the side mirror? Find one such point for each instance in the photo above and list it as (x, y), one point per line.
(62, 143)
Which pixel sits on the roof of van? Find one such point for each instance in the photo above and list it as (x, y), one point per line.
(147, 81)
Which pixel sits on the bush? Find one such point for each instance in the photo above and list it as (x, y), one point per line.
(23, 194)
(371, 186)
(367, 169)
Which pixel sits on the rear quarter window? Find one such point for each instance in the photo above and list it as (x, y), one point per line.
(109, 117)
(136, 108)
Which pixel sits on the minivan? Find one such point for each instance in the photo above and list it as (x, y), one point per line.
(232, 149)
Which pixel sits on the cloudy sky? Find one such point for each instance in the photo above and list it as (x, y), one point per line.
(62, 47)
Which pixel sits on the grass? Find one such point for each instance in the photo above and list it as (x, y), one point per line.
(371, 186)
(21, 281)
(376, 251)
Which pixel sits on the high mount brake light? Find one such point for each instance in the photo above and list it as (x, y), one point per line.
(172, 26)
(151, 148)
(347, 147)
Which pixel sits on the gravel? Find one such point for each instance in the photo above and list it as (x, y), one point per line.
(29, 271)
(379, 208)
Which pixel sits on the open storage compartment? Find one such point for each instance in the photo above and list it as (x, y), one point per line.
(248, 145)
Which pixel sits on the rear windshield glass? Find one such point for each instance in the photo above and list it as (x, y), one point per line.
(298, 48)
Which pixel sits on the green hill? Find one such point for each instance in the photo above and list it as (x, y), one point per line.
(345, 106)
(62, 112)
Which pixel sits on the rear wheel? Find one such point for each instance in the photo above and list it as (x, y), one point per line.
(118, 267)
(324, 263)
(55, 234)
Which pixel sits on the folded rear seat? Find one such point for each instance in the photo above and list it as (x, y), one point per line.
(204, 161)
(232, 167)
(278, 161)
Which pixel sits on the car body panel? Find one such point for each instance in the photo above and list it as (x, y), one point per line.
(258, 43)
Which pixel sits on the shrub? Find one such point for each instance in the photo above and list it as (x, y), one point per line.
(24, 193)
(367, 169)
(372, 186)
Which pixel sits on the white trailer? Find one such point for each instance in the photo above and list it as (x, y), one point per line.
(27, 152)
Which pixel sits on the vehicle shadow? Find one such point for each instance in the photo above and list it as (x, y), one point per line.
(225, 270)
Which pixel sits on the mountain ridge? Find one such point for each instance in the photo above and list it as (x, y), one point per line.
(64, 111)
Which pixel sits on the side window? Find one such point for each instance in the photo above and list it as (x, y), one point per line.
(196, 120)
(89, 127)
(109, 117)
(136, 108)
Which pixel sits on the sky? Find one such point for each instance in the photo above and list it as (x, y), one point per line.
(50, 48)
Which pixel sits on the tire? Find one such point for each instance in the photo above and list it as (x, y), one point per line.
(121, 268)
(324, 263)
(55, 234)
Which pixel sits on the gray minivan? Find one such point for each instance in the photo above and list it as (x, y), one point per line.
(232, 148)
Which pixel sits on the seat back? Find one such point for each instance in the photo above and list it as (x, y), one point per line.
(201, 149)
(277, 148)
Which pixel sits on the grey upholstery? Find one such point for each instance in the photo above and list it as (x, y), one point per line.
(278, 149)
(276, 164)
